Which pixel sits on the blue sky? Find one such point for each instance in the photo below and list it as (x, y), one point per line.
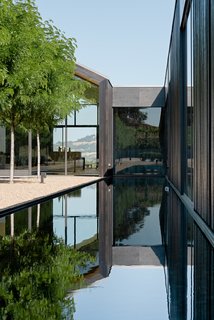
(127, 41)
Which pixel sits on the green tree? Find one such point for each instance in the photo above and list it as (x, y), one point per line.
(62, 92)
(37, 66)
(20, 72)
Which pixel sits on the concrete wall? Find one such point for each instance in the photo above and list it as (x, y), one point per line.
(138, 96)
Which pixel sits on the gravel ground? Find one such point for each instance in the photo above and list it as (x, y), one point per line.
(30, 189)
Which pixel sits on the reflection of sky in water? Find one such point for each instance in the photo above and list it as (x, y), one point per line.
(86, 228)
(128, 293)
(81, 204)
(149, 234)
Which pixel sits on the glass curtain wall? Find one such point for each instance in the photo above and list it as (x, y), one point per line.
(75, 142)
(74, 148)
(136, 140)
(70, 148)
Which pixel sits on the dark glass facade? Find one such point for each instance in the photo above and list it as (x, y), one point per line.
(136, 140)
(189, 263)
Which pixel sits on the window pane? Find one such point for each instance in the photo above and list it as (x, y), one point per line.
(82, 144)
(58, 139)
(87, 115)
(56, 161)
(137, 146)
(70, 120)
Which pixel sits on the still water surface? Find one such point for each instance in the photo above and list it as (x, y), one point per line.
(151, 261)
(135, 292)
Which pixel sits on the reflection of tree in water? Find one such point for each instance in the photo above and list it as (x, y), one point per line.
(21, 219)
(37, 270)
(131, 203)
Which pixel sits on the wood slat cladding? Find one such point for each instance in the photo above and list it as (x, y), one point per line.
(202, 150)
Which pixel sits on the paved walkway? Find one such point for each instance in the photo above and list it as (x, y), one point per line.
(27, 190)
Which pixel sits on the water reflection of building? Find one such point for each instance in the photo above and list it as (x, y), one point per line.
(187, 135)
(185, 255)
(184, 107)
(189, 262)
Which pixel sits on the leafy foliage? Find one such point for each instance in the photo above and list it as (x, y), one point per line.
(36, 272)
(37, 65)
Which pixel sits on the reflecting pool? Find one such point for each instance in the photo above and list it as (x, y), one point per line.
(128, 293)
(149, 259)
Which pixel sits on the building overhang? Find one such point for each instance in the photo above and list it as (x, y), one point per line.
(144, 97)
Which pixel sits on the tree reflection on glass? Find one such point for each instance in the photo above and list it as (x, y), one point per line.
(137, 145)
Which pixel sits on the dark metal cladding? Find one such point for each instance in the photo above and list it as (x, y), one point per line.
(106, 129)
(174, 119)
(212, 108)
(202, 172)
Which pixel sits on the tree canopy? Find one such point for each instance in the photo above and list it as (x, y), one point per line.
(37, 66)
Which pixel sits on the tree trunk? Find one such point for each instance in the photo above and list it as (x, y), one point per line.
(11, 154)
(38, 215)
(12, 225)
(30, 219)
(38, 154)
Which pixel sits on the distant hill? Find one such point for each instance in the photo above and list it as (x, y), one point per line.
(89, 138)
(85, 145)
